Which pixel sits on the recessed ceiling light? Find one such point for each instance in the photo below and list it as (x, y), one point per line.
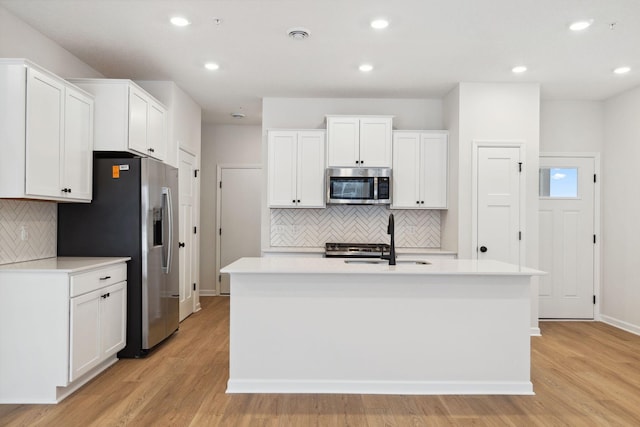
(622, 70)
(211, 66)
(379, 24)
(580, 25)
(365, 68)
(519, 69)
(180, 21)
(298, 33)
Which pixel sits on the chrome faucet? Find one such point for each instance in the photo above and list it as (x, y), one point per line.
(392, 252)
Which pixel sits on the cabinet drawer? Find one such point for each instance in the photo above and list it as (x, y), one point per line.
(96, 279)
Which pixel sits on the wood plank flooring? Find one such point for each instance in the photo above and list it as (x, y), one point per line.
(584, 374)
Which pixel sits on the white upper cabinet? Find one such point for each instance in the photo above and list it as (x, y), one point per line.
(77, 161)
(296, 169)
(46, 129)
(420, 164)
(359, 141)
(127, 118)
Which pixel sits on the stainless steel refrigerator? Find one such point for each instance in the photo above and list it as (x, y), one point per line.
(134, 212)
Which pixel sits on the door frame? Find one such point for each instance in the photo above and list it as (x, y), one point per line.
(596, 222)
(219, 169)
(196, 223)
(476, 145)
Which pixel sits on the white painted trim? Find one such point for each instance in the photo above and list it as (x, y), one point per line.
(188, 150)
(196, 223)
(219, 168)
(597, 228)
(381, 387)
(476, 145)
(208, 293)
(620, 324)
(535, 332)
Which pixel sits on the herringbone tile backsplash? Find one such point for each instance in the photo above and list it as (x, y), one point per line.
(39, 220)
(354, 224)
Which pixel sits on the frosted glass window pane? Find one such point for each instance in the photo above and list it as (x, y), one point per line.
(559, 182)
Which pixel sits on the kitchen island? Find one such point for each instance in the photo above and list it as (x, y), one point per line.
(321, 325)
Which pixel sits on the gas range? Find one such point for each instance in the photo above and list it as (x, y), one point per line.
(355, 250)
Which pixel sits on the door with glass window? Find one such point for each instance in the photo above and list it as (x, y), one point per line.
(567, 239)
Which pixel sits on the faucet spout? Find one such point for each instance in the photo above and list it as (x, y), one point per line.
(392, 252)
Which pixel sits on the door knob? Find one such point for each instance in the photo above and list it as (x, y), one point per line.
(181, 244)
(483, 249)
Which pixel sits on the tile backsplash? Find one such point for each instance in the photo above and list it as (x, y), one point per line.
(354, 224)
(27, 230)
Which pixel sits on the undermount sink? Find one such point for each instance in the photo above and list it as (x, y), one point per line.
(382, 261)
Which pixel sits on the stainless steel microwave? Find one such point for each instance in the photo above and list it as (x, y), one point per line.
(359, 186)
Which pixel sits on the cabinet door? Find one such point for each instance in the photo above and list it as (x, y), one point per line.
(282, 159)
(343, 135)
(78, 145)
(157, 131)
(310, 168)
(406, 170)
(45, 100)
(375, 142)
(113, 319)
(84, 345)
(434, 170)
(138, 120)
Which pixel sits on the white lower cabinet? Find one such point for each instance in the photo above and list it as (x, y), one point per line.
(97, 327)
(62, 322)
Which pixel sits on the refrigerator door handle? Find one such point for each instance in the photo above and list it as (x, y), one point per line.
(166, 193)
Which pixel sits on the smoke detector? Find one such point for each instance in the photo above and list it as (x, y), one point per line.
(298, 33)
(238, 115)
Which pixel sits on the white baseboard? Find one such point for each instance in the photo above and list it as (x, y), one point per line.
(535, 332)
(621, 324)
(382, 387)
(208, 292)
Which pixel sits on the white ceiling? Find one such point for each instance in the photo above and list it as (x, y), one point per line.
(429, 46)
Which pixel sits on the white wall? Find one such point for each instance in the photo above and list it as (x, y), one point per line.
(19, 40)
(571, 126)
(449, 218)
(499, 112)
(221, 144)
(620, 303)
(496, 112)
(308, 113)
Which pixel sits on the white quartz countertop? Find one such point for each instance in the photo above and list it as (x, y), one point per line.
(61, 264)
(300, 265)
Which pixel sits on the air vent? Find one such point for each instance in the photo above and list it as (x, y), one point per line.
(298, 33)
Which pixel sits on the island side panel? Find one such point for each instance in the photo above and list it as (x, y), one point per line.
(392, 334)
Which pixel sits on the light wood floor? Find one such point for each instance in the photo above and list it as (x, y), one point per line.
(584, 374)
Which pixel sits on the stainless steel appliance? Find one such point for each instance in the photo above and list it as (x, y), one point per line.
(133, 213)
(355, 250)
(358, 186)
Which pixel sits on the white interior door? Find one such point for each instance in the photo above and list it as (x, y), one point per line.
(239, 220)
(567, 244)
(498, 210)
(187, 183)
